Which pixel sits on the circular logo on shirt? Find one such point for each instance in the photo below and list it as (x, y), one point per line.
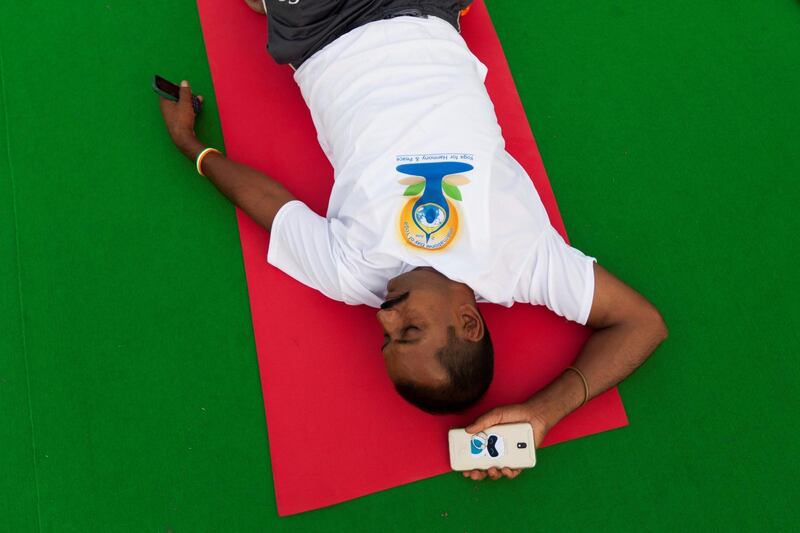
(429, 219)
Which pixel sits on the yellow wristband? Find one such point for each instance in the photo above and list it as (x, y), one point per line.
(202, 156)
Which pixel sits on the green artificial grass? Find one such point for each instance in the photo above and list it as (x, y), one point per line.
(129, 390)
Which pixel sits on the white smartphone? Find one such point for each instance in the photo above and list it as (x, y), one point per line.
(505, 445)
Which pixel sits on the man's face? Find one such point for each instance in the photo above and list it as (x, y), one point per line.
(415, 318)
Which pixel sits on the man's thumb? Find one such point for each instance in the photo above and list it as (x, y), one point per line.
(493, 417)
(185, 93)
(499, 415)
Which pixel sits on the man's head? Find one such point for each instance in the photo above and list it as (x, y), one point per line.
(437, 349)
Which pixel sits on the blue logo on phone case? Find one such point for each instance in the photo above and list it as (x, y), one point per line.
(482, 444)
(476, 445)
(490, 446)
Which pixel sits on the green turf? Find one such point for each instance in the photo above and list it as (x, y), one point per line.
(129, 393)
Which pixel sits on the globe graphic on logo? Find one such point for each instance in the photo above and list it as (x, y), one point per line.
(430, 217)
(428, 210)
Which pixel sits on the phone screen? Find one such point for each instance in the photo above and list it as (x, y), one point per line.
(167, 87)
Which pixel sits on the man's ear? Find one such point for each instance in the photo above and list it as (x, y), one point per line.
(471, 323)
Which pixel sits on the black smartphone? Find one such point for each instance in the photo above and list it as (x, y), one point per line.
(170, 91)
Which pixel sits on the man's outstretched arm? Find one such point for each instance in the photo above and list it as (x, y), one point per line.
(627, 329)
(256, 194)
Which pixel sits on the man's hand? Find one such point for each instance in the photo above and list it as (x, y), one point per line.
(256, 194)
(507, 414)
(179, 119)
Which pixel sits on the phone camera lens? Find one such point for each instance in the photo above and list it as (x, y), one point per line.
(521, 445)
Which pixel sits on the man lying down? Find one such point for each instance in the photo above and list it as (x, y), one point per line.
(428, 214)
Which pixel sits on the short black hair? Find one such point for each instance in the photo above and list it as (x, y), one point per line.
(470, 368)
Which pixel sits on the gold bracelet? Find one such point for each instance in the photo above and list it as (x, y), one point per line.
(585, 383)
(202, 155)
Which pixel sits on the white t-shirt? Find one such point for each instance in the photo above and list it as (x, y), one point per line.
(422, 178)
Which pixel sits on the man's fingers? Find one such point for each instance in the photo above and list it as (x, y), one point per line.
(477, 475)
(493, 472)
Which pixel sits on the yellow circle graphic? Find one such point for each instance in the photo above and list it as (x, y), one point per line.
(413, 236)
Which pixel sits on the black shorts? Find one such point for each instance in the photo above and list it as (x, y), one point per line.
(298, 28)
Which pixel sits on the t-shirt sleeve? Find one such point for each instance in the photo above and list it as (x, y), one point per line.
(301, 245)
(559, 277)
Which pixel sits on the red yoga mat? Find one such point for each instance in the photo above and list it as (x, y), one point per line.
(337, 429)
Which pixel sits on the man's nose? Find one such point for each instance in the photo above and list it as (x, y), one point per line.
(388, 318)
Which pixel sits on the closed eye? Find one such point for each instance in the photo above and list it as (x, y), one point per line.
(402, 338)
(406, 331)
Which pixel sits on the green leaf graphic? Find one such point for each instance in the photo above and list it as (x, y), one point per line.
(452, 191)
(415, 189)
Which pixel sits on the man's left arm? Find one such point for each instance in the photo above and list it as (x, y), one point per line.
(627, 329)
